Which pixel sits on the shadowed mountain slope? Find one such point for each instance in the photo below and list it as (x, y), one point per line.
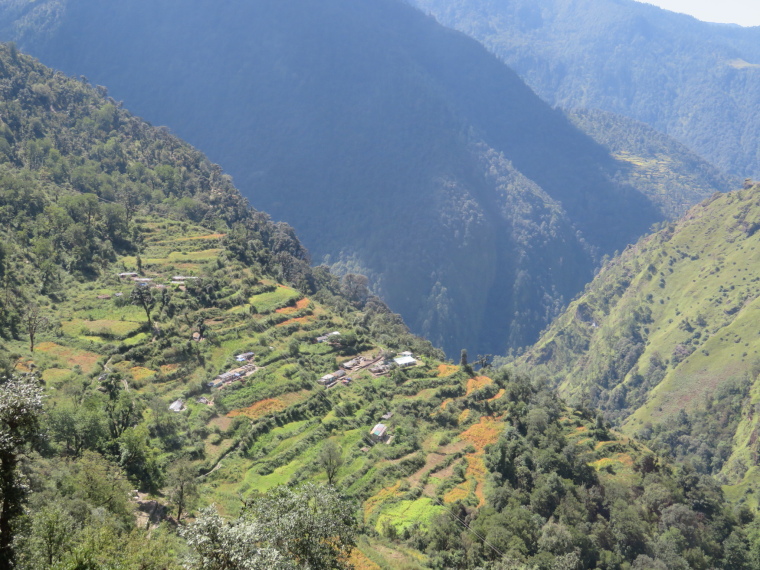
(696, 81)
(395, 147)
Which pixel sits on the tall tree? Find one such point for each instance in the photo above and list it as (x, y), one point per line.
(20, 406)
(182, 485)
(34, 321)
(331, 460)
(142, 297)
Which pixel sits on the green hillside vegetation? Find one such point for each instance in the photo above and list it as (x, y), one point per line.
(358, 122)
(96, 470)
(666, 342)
(670, 174)
(696, 81)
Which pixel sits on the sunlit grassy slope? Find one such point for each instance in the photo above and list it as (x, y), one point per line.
(668, 322)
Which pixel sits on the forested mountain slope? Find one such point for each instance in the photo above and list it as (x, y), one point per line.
(134, 276)
(665, 338)
(671, 175)
(395, 147)
(696, 81)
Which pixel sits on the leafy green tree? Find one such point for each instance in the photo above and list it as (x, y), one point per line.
(308, 527)
(183, 488)
(331, 460)
(142, 297)
(20, 406)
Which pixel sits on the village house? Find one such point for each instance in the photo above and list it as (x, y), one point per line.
(379, 432)
(328, 336)
(404, 361)
(128, 274)
(177, 406)
(245, 357)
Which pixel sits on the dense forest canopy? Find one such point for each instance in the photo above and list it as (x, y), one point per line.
(696, 81)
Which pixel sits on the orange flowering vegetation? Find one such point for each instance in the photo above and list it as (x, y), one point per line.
(458, 493)
(270, 405)
(477, 383)
(141, 373)
(483, 433)
(381, 496)
(359, 561)
(445, 403)
(169, 368)
(299, 320)
(463, 416)
(446, 370)
(259, 409)
(301, 304)
(476, 471)
(499, 394)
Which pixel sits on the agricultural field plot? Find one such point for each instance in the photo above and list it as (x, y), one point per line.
(273, 300)
(118, 329)
(68, 357)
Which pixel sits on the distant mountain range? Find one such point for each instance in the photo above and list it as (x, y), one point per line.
(396, 148)
(696, 81)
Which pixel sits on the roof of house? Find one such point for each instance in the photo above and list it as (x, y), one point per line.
(177, 406)
(379, 430)
(404, 360)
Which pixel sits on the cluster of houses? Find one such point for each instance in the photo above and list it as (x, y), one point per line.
(236, 373)
(382, 367)
(378, 366)
(179, 280)
(330, 380)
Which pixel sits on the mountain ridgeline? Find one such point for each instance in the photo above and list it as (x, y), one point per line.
(665, 339)
(696, 81)
(395, 147)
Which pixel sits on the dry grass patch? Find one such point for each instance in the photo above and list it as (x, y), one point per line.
(222, 422)
(432, 461)
(87, 361)
(169, 368)
(299, 320)
(55, 374)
